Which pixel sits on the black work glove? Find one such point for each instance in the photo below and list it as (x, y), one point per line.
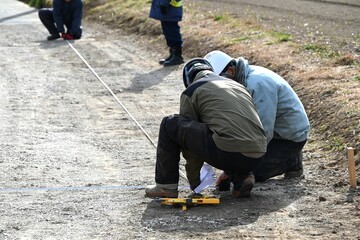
(163, 9)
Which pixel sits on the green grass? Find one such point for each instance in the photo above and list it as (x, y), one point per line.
(338, 144)
(314, 48)
(218, 18)
(278, 37)
(281, 37)
(239, 39)
(321, 50)
(35, 3)
(357, 36)
(357, 78)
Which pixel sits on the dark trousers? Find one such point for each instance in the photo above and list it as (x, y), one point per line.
(171, 31)
(178, 133)
(282, 156)
(47, 18)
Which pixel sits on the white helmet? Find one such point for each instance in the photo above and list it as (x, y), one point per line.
(218, 60)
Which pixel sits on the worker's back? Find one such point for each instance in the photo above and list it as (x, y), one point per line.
(227, 109)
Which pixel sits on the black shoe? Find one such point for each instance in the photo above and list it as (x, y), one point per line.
(294, 173)
(243, 184)
(223, 186)
(171, 54)
(174, 60)
(161, 61)
(53, 37)
(297, 170)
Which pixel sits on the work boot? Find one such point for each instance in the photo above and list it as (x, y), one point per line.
(223, 186)
(154, 191)
(243, 184)
(297, 170)
(161, 61)
(294, 173)
(176, 58)
(53, 37)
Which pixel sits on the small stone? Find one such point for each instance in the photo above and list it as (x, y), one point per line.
(322, 199)
(349, 199)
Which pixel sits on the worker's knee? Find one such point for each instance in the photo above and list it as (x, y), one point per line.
(45, 13)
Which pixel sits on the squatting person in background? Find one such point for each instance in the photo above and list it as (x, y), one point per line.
(280, 110)
(65, 13)
(218, 124)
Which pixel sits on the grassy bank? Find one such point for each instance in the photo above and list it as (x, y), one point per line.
(37, 3)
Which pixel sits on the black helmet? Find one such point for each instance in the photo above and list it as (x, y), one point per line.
(193, 67)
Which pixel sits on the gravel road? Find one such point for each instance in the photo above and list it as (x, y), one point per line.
(73, 163)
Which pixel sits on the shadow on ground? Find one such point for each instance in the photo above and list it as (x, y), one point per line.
(143, 81)
(267, 197)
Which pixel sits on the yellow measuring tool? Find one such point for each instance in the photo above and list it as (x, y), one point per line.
(185, 202)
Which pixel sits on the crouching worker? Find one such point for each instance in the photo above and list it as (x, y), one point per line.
(66, 13)
(218, 124)
(280, 110)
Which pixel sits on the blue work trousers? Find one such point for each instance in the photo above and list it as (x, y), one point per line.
(281, 156)
(171, 31)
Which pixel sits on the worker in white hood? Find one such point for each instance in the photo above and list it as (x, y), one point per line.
(281, 112)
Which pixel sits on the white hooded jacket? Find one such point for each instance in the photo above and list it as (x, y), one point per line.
(281, 112)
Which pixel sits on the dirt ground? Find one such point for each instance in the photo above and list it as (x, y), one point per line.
(331, 23)
(74, 164)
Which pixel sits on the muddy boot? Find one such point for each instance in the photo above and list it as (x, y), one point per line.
(243, 184)
(155, 191)
(176, 59)
(161, 61)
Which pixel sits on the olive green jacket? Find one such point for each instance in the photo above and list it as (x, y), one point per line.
(227, 109)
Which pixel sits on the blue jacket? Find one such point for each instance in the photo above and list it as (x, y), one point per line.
(69, 14)
(280, 110)
(174, 10)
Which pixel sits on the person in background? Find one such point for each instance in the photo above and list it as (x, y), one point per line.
(218, 124)
(281, 112)
(169, 12)
(65, 13)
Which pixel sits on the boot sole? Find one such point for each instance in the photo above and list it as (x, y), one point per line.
(161, 194)
(244, 191)
(174, 62)
(294, 174)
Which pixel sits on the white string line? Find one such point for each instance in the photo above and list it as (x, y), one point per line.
(79, 188)
(116, 98)
(111, 92)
